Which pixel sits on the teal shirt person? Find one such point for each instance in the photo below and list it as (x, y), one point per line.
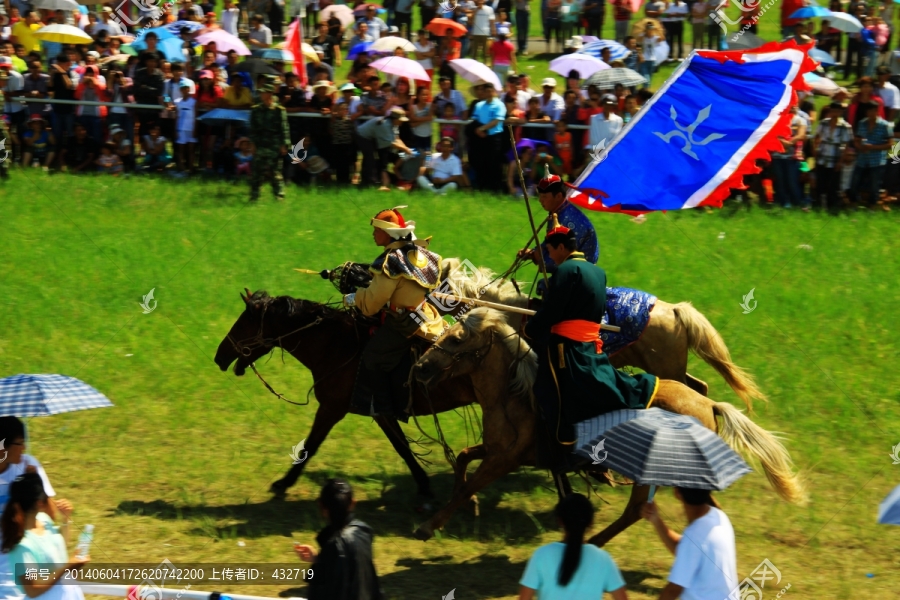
(575, 380)
(491, 110)
(597, 573)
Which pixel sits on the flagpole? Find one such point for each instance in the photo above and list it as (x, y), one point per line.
(534, 233)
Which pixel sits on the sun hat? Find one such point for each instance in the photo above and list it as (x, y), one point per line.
(548, 82)
(608, 99)
(206, 74)
(348, 87)
(399, 112)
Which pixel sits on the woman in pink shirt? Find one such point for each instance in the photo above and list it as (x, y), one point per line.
(503, 56)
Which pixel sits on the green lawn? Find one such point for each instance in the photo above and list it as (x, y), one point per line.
(180, 467)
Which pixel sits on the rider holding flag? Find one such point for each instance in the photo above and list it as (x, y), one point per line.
(552, 195)
(401, 277)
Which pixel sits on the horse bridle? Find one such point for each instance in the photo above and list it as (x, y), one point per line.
(258, 340)
(476, 354)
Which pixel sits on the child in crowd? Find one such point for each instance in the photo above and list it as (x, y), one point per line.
(562, 141)
(185, 126)
(649, 41)
(243, 157)
(631, 108)
(154, 144)
(108, 161)
(449, 130)
(343, 149)
(38, 142)
(123, 147)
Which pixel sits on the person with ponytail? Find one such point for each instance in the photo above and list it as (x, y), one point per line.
(571, 569)
(31, 537)
(343, 569)
(14, 463)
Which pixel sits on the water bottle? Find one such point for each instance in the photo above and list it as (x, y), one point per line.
(83, 549)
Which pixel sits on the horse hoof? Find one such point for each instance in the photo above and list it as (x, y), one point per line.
(423, 533)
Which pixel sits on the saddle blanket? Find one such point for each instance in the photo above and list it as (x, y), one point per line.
(628, 309)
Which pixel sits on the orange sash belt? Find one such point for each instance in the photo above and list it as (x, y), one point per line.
(580, 331)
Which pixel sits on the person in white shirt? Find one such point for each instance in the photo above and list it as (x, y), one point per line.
(551, 103)
(260, 36)
(107, 24)
(230, 16)
(673, 21)
(185, 124)
(512, 89)
(446, 170)
(483, 28)
(606, 125)
(15, 464)
(705, 555)
(424, 52)
(377, 27)
(888, 92)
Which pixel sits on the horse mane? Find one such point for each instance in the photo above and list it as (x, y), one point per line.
(287, 306)
(477, 284)
(480, 320)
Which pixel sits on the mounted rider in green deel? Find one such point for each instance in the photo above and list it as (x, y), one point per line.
(575, 380)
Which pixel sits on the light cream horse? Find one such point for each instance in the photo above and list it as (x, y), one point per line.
(486, 354)
(662, 349)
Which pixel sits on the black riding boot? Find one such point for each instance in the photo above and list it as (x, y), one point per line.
(372, 393)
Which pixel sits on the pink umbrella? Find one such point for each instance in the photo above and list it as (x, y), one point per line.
(401, 67)
(224, 41)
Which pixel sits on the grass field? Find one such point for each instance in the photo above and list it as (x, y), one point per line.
(180, 467)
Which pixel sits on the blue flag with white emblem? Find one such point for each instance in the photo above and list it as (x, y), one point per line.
(700, 134)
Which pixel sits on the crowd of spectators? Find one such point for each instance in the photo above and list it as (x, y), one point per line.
(382, 130)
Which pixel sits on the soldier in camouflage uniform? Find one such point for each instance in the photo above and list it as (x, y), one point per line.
(270, 134)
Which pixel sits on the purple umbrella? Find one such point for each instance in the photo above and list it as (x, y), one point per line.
(527, 143)
(224, 41)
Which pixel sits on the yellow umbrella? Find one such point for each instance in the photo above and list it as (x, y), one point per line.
(308, 51)
(63, 34)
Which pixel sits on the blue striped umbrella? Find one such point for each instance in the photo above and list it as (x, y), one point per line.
(810, 12)
(822, 57)
(42, 395)
(177, 25)
(616, 50)
(889, 509)
(657, 447)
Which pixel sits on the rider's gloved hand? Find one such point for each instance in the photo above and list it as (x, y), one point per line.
(350, 300)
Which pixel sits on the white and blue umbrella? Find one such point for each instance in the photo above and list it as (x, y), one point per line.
(889, 509)
(822, 57)
(42, 395)
(657, 447)
(608, 78)
(844, 22)
(616, 50)
(191, 25)
(810, 12)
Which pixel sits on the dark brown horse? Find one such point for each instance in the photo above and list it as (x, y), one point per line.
(328, 342)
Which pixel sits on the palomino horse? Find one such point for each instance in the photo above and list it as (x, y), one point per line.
(661, 349)
(328, 342)
(485, 351)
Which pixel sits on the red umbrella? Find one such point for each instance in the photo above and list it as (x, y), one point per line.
(440, 27)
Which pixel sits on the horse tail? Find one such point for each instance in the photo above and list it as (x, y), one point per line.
(706, 343)
(755, 443)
